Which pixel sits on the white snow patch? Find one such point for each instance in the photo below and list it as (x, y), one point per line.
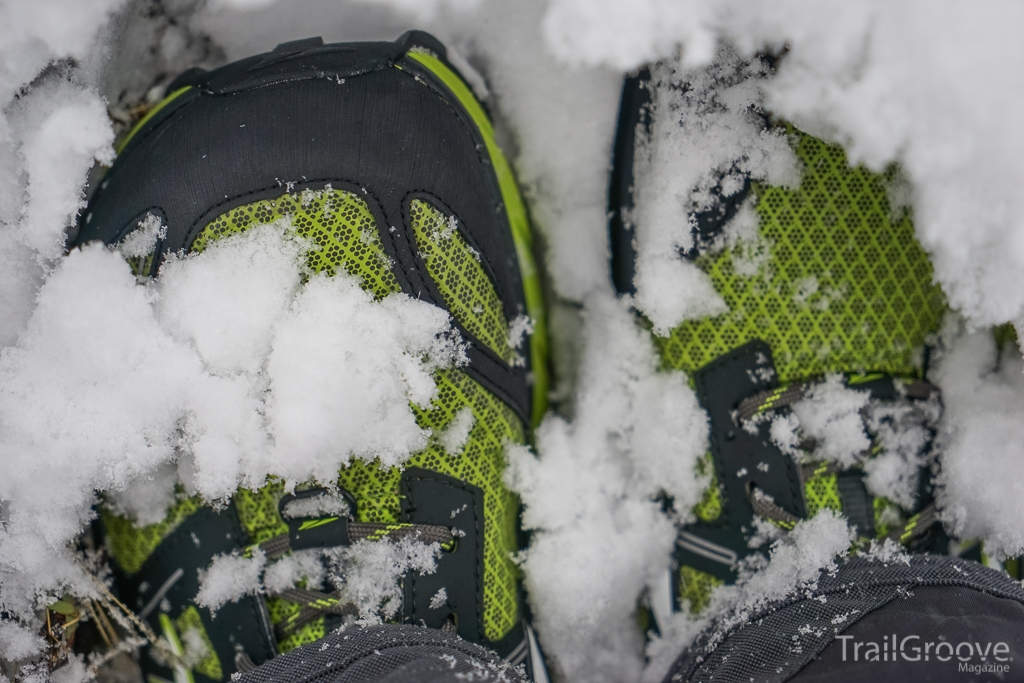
(17, 641)
(342, 367)
(289, 570)
(369, 573)
(321, 505)
(439, 598)
(64, 131)
(111, 389)
(454, 437)
(830, 413)
(148, 497)
(707, 131)
(784, 433)
(229, 578)
(226, 300)
(886, 552)
(519, 329)
(143, 240)
(903, 431)
(980, 476)
(600, 537)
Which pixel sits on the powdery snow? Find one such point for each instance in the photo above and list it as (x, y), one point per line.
(230, 577)
(931, 85)
(600, 537)
(980, 439)
(108, 389)
(456, 434)
(831, 414)
(368, 574)
(708, 130)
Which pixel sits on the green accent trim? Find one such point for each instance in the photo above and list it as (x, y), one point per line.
(710, 506)
(130, 545)
(518, 220)
(769, 401)
(314, 523)
(821, 490)
(696, 587)
(908, 531)
(181, 674)
(209, 665)
(150, 114)
(854, 380)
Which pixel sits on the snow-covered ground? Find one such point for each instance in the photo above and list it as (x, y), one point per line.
(935, 86)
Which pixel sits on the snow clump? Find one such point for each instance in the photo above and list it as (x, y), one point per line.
(708, 130)
(115, 384)
(600, 536)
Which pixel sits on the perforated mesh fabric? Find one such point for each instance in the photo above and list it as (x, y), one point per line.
(846, 287)
(481, 463)
(456, 269)
(208, 665)
(342, 226)
(710, 506)
(258, 514)
(338, 222)
(822, 491)
(131, 545)
(695, 587)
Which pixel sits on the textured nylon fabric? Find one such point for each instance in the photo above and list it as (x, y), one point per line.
(931, 615)
(775, 641)
(386, 654)
(342, 229)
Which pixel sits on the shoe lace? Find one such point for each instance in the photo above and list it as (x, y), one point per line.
(753, 407)
(331, 532)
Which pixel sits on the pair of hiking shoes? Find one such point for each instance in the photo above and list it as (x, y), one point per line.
(372, 150)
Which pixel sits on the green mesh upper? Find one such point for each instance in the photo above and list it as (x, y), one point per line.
(339, 224)
(208, 664)
(131, 545)
(460, 276)
(481, 463)
(846, 287)
(875, 300)
(710, 506)
(822, 491)
(344, 234)
(695, 587)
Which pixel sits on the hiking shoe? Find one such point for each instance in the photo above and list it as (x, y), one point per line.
(382, 158)
(827, 304)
